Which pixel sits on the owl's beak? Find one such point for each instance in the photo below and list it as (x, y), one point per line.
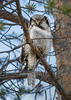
(37, 22)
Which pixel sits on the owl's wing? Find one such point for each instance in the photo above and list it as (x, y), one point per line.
(22, 55)
(24, 51)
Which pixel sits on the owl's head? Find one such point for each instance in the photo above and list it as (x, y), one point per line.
(39, 21)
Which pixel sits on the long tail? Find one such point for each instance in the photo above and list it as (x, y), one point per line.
(32, 62)
(31, 78)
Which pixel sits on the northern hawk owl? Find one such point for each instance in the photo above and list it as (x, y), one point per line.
(40, 34)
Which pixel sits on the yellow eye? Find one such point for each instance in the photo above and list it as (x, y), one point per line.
(42, 20)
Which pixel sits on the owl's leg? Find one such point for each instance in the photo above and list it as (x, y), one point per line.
(32, 61)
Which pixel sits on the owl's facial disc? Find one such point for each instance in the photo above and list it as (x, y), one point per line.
(39, 21)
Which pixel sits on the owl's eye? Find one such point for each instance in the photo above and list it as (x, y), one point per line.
(46, 20)
(45, 17)
(42, 20)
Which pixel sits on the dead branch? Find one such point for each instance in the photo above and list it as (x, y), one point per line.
(21, 75)
(11, 17)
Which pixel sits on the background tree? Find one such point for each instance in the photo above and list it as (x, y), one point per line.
(63, 46)
(12, 76)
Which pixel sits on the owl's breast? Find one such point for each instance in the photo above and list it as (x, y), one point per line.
(40, 38)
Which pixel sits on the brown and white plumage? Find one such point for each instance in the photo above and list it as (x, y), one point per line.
(39, 30)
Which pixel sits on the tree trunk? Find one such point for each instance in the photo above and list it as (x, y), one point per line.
(62, 45)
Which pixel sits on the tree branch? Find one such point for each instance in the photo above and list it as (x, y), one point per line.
(21, 75)
(11, 17)
(3, 5)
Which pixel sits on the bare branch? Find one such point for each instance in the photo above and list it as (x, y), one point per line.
(11, 1)
(21, 75)
(11, 17)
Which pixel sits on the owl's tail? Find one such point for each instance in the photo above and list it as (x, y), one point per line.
(31, 78)
(32, 62)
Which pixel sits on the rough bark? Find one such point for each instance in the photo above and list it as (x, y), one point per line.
(63, 47)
